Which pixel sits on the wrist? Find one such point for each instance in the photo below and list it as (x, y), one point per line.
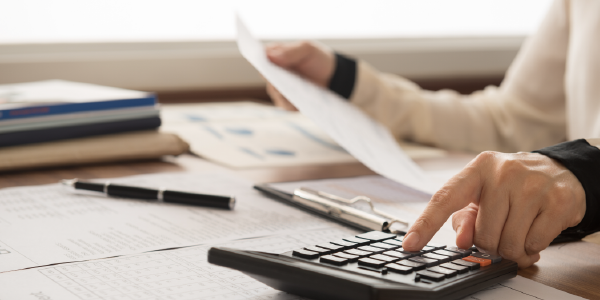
(343, 79)
(583, 160)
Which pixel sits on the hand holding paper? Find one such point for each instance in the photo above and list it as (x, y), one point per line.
(367, 140)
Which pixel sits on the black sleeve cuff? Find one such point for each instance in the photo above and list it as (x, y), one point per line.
(583, 160)
(344, 76)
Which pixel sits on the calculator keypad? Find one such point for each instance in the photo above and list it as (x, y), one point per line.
(380, 252)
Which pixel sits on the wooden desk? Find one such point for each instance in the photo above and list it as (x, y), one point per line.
(571, 267)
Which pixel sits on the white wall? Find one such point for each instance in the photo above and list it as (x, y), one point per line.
(176, 44)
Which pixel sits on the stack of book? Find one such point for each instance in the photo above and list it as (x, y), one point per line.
(53, 110)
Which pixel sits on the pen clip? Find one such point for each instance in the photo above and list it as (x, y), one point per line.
(392, 219)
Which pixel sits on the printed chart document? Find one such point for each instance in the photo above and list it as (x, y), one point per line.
(212, 112)
(249, 135)
(184, 274)
(42, 225)
(365, 139)
(230, 135)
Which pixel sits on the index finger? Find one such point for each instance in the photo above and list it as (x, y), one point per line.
(461, 190)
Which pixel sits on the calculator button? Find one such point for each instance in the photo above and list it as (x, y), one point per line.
(321, 251)
(462, 252)
(358, 253)
(398, 254)
(428, 248)
(371, 249)
(331, 247)
(349, 257)
(376, 236)
(345, 244)
(369, 262)
(305, 254)
(436, 246)
(384, 246)
(458, 268)
(441, 258)
(333, 260)
(357, 241)
(449, 273)
(494, 258)
(393, 242)
(413, 253)
(482, 261)
(384, 258)
(431, 275)
(415, 265)
(400, 269)
(427, 261)
(452, 255)
(470, 265)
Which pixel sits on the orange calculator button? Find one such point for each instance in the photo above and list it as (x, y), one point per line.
(482, 261)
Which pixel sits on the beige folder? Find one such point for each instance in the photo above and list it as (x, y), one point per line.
(105, 148)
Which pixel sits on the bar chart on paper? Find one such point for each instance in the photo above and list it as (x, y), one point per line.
(250, 135)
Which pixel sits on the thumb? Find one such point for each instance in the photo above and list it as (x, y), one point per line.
(457, 193)
(289, 55)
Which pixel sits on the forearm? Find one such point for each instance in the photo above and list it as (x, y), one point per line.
(487, 120)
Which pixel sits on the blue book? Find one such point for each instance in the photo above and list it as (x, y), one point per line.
(56, 97)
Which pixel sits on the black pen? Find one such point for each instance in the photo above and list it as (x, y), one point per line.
(160, 195)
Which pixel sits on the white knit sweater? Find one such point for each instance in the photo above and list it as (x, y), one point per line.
(550, 94)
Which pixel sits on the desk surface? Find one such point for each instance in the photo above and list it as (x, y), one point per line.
(571, 267)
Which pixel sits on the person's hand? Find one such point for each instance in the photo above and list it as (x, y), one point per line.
(512, 205)
(310, 60)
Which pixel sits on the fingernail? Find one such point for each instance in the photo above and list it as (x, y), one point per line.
(411, 240)
(457, 230)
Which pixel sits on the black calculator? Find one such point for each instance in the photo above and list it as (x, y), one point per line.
(372, 265)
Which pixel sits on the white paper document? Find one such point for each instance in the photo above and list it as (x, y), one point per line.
(521, 288)
(212, 112)
(185, 274)
(239, 141)
(41, 225)
(173, 274)
(365, 139)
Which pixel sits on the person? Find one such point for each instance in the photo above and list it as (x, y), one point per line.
(511, 204)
